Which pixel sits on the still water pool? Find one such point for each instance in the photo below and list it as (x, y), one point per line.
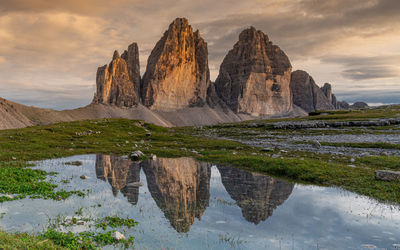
(185, 204)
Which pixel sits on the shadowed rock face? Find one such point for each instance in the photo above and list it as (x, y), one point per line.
(306, 94)
(180, 187)
(114, 85)
(257, 195)
(327, 90)
(119, 173)
(254, 77)
(131, 57)
(177, 74)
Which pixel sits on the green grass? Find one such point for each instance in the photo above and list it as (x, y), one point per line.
(121, 136)
(25, 241)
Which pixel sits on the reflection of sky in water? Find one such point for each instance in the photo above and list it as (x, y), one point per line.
(311, 217)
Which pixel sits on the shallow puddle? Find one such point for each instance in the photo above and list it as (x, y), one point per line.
(185, 204)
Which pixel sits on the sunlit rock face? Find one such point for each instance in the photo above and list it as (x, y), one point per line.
(113, 82)
(306, 93)
(120, 173)
(180, 187)
(254, 77)
(257, 195)
(177, 74)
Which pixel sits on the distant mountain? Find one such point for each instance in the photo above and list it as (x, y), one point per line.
(255, 81)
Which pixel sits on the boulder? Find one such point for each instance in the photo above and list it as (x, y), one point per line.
(117, 236)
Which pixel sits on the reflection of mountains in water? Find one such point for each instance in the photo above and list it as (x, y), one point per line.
(257, 195)
(120, 173)
(181, 187)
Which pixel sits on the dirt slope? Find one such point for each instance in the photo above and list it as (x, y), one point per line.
(14, 115)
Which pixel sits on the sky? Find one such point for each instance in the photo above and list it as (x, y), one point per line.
(50, 50)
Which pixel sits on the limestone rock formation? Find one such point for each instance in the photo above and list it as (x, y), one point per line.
(306, 94)
(257, 195)
(327, 90)
(114, 85)
(177, 74)
(180, 187)
(131, 57)
(254, 76)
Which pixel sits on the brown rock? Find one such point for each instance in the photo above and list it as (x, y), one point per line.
(255, 75)
(177, 74)
(113, 84)
(306, 94)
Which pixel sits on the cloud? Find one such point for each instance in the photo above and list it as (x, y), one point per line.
(75, 6)
(44, 43)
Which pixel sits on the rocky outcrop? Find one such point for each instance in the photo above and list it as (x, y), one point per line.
(359, 105)
(177, 74)
(131, 57)
(180, 187)
(113, 84)
(257, 195)
(327, 90)
(254, 77)
(306, 94)
(343, 105)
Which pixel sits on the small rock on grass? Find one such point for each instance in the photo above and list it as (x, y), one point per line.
(387, 175)
(316, 144)
(117, 236)
(136, 155)
(267, 149)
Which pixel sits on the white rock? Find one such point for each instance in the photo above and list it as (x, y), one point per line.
(117, 236)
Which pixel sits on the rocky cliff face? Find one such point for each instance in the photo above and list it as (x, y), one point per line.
(257, 195)
(177, 74)
(254, 77)
(327, 90)
(180, 187)
(306, 94)
(131, 57)
(113, 84)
